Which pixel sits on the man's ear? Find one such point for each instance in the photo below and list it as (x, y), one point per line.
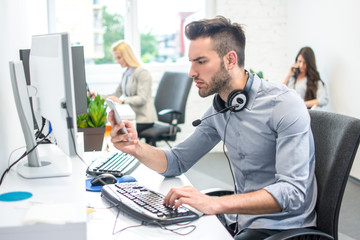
(230, 60)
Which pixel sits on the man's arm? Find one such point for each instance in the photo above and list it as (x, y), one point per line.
(148, 155)
(257, 202)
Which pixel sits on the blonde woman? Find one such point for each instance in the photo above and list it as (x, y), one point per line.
(135, 86)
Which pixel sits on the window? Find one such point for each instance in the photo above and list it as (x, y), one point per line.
(153, 27)
(161, 24)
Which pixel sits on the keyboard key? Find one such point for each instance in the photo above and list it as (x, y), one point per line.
(145, 204)
(117, 163)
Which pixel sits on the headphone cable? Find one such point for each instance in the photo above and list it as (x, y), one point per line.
(231, 169)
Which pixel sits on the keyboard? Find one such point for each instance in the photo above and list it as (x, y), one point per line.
(145, 205)
(116, 163)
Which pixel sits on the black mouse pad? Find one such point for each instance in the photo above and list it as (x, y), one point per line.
(91, 188)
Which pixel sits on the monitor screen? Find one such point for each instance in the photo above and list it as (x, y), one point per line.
(24, 57)
(52, 93)
(52, 77)
(80, 86)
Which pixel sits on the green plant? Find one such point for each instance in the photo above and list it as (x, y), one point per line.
(96, 116)
(260, 73)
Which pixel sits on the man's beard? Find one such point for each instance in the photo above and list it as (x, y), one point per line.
(219, 81)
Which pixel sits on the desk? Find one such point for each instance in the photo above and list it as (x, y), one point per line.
(96, 225)
(101, 222)
(59, 191)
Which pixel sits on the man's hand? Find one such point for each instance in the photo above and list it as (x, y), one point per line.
(192, 197)
(120, 141)
(257, 202)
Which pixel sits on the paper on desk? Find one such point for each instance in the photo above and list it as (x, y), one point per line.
(51, 213)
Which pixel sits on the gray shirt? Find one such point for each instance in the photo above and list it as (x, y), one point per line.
(300, 88)
(271, 147)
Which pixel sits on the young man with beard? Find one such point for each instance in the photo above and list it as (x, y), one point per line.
(265, 127)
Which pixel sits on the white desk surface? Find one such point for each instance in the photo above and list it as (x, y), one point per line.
(67, 192)
(207, 227)
(100, 223)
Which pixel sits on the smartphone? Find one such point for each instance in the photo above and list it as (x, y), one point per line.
(113, 106)
(296, 72)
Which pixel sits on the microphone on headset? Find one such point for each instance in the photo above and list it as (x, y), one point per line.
(198, 121)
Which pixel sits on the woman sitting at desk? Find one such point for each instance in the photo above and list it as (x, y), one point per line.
(304, 77)
(135, 86)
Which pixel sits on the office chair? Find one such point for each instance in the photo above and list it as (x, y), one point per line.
(170, 102)
(336, 142)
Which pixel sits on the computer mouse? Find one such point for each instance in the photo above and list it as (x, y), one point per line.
(103, 179)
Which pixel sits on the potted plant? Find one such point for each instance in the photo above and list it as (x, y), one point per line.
(93, 124)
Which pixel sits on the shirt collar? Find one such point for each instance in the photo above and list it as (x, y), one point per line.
(253, 91)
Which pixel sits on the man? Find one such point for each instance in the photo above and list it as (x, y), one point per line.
(265, 127)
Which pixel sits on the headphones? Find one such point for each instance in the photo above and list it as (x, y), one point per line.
(237, 98)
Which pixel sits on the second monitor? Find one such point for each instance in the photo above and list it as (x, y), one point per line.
(79, 75)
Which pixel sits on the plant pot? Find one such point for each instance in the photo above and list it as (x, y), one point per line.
(93, 138)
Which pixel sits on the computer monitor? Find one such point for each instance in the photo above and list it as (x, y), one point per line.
(52, 93)
(80, 85)
(24, 57)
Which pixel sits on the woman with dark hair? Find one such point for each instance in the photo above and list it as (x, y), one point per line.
(304, 77)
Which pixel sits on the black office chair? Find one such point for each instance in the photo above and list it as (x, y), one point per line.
(336, 142)
(170, 103)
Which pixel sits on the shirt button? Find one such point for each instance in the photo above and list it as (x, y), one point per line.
(237, 134)
(242, 156)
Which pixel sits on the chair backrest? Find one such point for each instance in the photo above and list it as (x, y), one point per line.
(172, 93)
(336, 141)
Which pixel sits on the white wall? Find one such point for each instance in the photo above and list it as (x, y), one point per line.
(332, 29)
(334, 34)
(265, 26)
(277, 29)
(19, 20)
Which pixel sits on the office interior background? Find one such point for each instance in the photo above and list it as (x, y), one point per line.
(275, 31)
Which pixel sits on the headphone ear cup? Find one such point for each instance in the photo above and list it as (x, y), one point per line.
(237, 97)
(218, 103)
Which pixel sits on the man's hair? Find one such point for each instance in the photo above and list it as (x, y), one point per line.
(226, 36)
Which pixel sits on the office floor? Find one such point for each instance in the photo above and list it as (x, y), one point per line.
(218, 175)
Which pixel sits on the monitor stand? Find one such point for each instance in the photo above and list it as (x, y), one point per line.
(44, 160)
(53, 161)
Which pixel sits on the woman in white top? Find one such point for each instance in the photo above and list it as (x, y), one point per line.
(304, 77)
(135, 86)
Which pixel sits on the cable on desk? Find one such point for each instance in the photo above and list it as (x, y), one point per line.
(13, 153)
(38, 134)
(22, 156)
(123, 229)
(175, 230)
(44, 139)
(70, 126)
